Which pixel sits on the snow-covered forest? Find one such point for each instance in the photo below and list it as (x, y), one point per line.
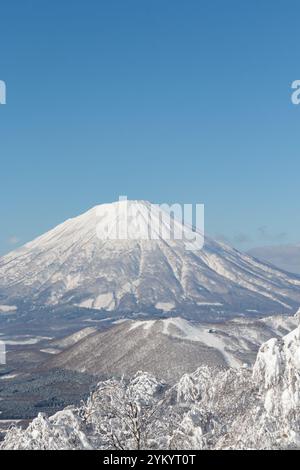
(212, 408)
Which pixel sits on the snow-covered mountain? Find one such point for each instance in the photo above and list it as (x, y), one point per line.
(72, 265)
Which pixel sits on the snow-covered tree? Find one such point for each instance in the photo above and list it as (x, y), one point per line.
(127, 415)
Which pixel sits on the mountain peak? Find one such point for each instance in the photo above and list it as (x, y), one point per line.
(88, 262)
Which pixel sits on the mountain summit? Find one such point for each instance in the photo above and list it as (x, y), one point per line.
(106, 260)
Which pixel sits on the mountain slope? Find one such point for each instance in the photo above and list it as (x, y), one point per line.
(169, 347)
(70, 265)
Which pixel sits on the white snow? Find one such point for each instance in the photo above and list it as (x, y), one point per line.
(146, 325)
(50, 350)
(73, 338)
(200, 334)
(210, 303)
(165, 306)
(8, 308)
(8, 376)
(121, 320)
(104, 301)
(88, 303)
(24, 340)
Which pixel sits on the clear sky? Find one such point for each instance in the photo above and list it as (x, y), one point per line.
(164, 100)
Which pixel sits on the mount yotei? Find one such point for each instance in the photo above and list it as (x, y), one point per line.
(72, 266)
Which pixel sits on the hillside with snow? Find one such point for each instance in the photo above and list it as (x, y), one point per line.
(77, 264)
(211, 408)
(167, 348)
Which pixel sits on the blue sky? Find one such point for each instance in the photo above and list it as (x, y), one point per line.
(168, 101)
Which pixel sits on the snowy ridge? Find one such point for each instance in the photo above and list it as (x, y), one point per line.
(168, 348)
(74, 338)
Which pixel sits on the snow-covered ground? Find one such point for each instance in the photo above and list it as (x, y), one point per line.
(211, 408)
(23, 340)
(8, 376)
(8, 308)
